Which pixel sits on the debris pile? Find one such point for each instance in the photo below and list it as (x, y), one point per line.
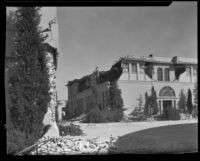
(71, 145)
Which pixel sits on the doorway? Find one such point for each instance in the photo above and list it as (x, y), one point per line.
(166, 103)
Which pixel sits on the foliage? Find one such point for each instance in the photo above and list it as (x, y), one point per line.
(171, 113)
(189, 102)
(73, 130)
(71, 112)
(146, 105)
(195, 112)
(28, 79)
(15, 141)
(138, 115)
(116, 101)
(95, 116)
(153, 101)
(96, 98)
(101, 116)
(182, 101)
(195, 91)
(151, 105)
(140, 102)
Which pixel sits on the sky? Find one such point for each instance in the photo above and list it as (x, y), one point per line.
(98, 36)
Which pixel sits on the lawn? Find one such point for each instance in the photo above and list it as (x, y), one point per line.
(167, 139)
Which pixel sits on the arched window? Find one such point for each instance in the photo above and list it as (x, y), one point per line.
(167, 92)
(160, 74)
(166, 71)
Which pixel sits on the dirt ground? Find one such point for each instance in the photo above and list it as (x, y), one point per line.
(105, 130)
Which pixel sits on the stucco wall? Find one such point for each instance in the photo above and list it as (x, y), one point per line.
(132, 89)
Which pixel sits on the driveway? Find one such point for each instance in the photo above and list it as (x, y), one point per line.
(104, 130)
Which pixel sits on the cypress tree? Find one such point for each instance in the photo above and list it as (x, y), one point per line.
(154, 104)
(29, 79)
(195, 91)
(116, 101)
(182, 101)
(146, 105)
(189, 102)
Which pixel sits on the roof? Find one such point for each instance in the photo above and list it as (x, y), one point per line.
(160, 59)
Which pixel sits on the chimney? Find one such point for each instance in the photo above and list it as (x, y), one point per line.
(151, 55)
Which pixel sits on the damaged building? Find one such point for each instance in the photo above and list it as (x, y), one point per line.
(136, 76)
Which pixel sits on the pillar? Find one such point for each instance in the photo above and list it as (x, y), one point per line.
(138, 68)
(163, 72)
(129, 71)
(161, 106)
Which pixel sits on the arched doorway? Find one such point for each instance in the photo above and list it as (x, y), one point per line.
(167, 97)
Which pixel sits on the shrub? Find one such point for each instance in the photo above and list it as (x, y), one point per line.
(95, 116)
(115, 115)
(73, 130)
(171, 113)
(102, 116)
(182, 101)
(195, 112)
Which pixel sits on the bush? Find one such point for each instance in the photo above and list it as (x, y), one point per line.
(171, 114)
(115, 115)
(138, 115)
(102, 116)
(95, 116)
(73, 130)
(195, 112)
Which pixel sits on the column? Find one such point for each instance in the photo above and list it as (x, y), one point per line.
(163, 71)
(161, 106)
(129, 71)
(138, 68)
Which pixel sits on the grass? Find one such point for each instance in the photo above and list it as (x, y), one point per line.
(167, 139)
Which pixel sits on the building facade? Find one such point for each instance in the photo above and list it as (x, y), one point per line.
(136, 76)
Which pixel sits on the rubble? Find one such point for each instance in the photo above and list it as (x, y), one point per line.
(72, 145)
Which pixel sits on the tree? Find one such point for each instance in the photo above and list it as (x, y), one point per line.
(29, 78)
(153, 101)
(182, 101)
(195, 91)
(116, 101)
(189, 102)
(146, 105)
(140, 102)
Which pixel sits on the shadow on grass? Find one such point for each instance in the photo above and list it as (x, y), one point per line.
(182, 138)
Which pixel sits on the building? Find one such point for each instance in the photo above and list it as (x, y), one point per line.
(136, 76)
(61, 104)
(49, 26)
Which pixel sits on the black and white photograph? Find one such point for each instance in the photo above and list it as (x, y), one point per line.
(101, 80)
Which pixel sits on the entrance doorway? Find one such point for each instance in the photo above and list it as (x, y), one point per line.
(166, 103)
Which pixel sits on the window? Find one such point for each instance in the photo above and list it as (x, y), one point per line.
(188, 71)
(125, 67)
(134, 68)
(141, 69)
(194, 71)
(166, 74)
(159, 74)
